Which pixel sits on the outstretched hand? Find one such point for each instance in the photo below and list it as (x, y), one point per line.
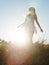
(41, 30)
(18, 26)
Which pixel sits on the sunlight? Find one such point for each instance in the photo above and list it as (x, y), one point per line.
(35, 38)
(19, 37)
(38, 37)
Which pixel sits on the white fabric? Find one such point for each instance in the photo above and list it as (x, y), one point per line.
(29, 22)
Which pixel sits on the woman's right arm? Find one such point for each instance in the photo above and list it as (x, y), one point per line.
(22, 24)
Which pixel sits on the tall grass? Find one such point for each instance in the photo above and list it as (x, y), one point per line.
(39, 54)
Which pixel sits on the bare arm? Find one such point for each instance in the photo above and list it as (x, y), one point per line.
(21, 24)
(38, 23)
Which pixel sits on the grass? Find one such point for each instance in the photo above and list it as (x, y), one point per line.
(39, 54)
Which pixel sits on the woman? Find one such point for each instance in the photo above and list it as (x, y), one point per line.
(29, 24)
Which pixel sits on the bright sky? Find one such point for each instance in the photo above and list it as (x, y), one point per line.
(12, 13)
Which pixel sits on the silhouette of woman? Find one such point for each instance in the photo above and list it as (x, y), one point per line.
(29, 24)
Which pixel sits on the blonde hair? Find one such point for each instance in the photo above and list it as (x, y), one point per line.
(32, 9)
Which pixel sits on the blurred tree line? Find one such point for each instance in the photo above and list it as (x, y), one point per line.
(39, 54)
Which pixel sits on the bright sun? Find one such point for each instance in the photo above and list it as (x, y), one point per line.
(19, 36)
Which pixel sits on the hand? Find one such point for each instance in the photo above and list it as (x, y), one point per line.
(41, 30)
(18, 26)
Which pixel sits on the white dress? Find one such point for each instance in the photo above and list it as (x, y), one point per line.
(29, 23)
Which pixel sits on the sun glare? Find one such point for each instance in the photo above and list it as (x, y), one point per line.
(18, 36)
(21, 37)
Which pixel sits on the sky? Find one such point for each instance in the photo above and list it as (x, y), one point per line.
(13, 12)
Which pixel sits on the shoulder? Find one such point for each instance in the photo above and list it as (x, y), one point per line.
(35, 16)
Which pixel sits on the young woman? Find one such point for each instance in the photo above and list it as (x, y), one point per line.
(29, 24)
